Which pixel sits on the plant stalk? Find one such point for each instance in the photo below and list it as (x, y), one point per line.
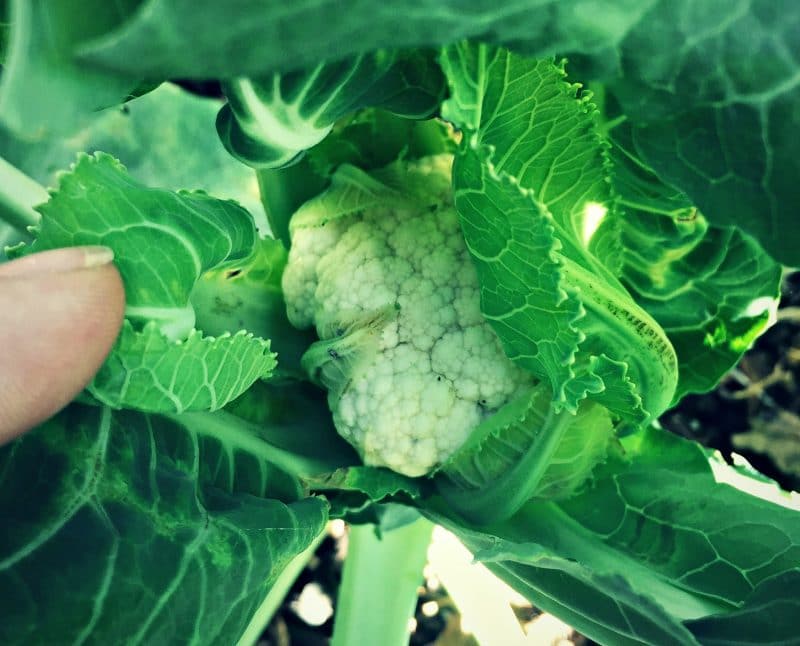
(378, 594)
(283, 190)
(18, 195)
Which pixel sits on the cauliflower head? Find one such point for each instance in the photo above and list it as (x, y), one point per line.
(379, 266)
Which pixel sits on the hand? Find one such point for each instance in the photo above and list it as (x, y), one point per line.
(60, 313)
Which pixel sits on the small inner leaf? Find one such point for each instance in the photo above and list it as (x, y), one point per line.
(148, 372)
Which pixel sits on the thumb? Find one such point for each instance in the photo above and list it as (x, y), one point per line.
(60, 313)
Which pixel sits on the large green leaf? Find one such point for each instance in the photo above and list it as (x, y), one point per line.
(717, 294)
(711, 86)
(150, 135)
(268, 122)
(541, 133)
(713, 90)
(719, 542)
(604, 607)
(737, 163)
(163, 243)
(531, 188)
(634, 559)
(126, 527)
(712, 289)
(766, 617)
(44, 91)
(172, 38)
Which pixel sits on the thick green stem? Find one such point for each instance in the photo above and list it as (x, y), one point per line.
(277, 593)
(18, 195)
(285, 189)
(378, 594)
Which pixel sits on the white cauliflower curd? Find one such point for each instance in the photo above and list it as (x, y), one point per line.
(379, 265)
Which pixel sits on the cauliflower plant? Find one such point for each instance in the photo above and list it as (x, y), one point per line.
(382, 271)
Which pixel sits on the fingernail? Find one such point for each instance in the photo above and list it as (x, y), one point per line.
(58, 260)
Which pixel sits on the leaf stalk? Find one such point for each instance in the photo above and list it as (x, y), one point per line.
(19, 194)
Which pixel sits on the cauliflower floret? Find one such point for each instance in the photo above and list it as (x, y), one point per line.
(437, 369)
(307, 251)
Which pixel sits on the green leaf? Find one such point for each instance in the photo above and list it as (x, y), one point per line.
(719, 542)
(712, 89)
(44, 91)
(491, 210)
(713, 290)
(169, 39)
(375, 482)
(769, 615)
(606, 608)
(268, 122)
(148, 372)
(711, 86)
(149, 135)
(635, 559)
(531, 188)
(128, 524)
(162, 241)
(724, 294)
(745, 181)
(541, 133)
